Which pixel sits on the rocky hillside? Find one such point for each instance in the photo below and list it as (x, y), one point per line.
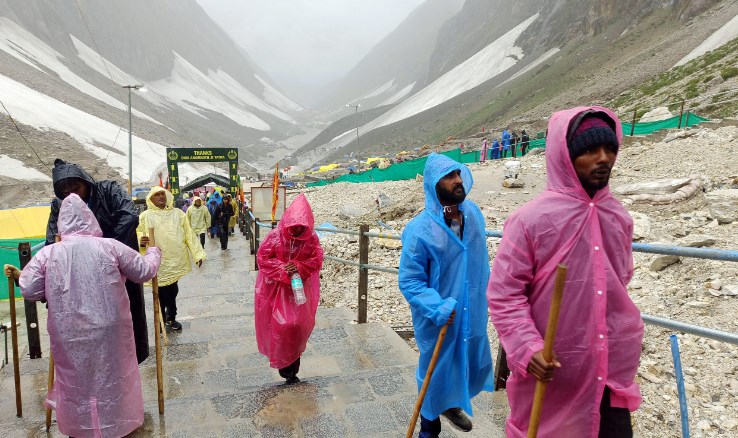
(516, 67)
(72, 61)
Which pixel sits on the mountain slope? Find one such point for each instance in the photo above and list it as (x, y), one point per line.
(202, 88)
(397, 65)
(572, 52)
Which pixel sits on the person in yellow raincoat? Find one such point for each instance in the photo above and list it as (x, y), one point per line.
(199, 218)
(234, 218)
(177, 241)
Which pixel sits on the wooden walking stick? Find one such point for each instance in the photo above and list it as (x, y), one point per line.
(14, 337)
(548, 341)
(50, 387)
(157, 335)
(426, 380)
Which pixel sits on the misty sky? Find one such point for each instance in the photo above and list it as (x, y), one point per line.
(305, 45)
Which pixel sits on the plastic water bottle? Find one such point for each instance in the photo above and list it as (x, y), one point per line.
(297, 289)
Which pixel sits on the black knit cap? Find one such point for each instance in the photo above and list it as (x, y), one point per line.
(590, 131)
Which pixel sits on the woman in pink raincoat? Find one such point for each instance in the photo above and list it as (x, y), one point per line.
(282, 326)
(577, 222)
(484, 153)
(97, 392)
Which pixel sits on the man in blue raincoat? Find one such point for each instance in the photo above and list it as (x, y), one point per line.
(505, 143)
(444, 270)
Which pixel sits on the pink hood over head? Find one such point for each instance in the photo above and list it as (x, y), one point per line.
(76, 219)
(562, 177)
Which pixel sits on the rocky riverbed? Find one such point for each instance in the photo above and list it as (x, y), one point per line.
(696, 167)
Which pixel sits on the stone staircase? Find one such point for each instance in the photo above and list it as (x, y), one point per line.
(357, 380)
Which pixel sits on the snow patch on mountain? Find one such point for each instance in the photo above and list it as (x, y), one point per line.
(489, 62)
(24, 46)
(15, 169)
(194, 91)
(533, 64)
(273, 97)
(726, 33)
(399, 95)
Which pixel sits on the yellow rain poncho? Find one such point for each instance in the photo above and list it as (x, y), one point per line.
(174, 236)
(199, 218)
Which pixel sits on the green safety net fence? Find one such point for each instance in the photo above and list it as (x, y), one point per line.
(687, 119)
(9, 255)
(409, 169)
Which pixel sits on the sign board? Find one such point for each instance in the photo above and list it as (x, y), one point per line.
(202, 155)
(261, 203)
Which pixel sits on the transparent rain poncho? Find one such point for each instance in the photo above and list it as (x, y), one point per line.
(174, 236)
(599, 336)
(440, 273)
(97, 392)
(282, 326)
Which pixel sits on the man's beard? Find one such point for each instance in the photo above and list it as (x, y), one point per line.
(451, 197)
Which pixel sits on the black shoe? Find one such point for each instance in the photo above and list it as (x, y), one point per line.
(292, 380)
(175, 326)
(458, 418)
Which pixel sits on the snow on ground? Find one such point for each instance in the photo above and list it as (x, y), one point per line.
(345, 133)
(489, 62)
(533, 64)
(726, 33)
(99, 64)
(232, 88)
(273, 97)
(15, 169)
(399, 95)
(191, 89)
(377, 91)
(92, 132)
(24, 46)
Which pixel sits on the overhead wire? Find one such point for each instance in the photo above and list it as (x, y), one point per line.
(17, 128)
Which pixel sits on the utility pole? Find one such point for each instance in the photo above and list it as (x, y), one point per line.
(130, 135)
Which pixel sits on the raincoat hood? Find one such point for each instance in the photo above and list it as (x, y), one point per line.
(76, 219)
(562, 178)
(298, 213)
(436, 168)
(63, 170)
(155, 190)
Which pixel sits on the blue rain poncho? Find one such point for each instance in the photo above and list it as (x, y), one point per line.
(438, 274)
(505, 140)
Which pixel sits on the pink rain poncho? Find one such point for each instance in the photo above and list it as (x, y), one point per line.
(599, 336)
(97, 392)
(484, 152)
(283, 327)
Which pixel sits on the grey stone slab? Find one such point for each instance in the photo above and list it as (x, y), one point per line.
(240, 429)
(185, 351)
(327, 425)
(390, 383)
(371, 418)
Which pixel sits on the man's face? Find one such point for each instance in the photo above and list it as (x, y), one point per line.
(198, 202)
(226, 201)
(593, 168)
(77, 186)
(450, 189)
(159, 199)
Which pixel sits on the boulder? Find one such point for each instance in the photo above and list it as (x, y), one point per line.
(641, 225)
(658, 187)
(680, 134)
(697, 241)
(656, 114)
(513, 183)
(723, 205)
(661, 262)
(536, 151)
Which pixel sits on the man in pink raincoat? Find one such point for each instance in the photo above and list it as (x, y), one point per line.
(577, 222)
(282, 326)
(97, 392)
